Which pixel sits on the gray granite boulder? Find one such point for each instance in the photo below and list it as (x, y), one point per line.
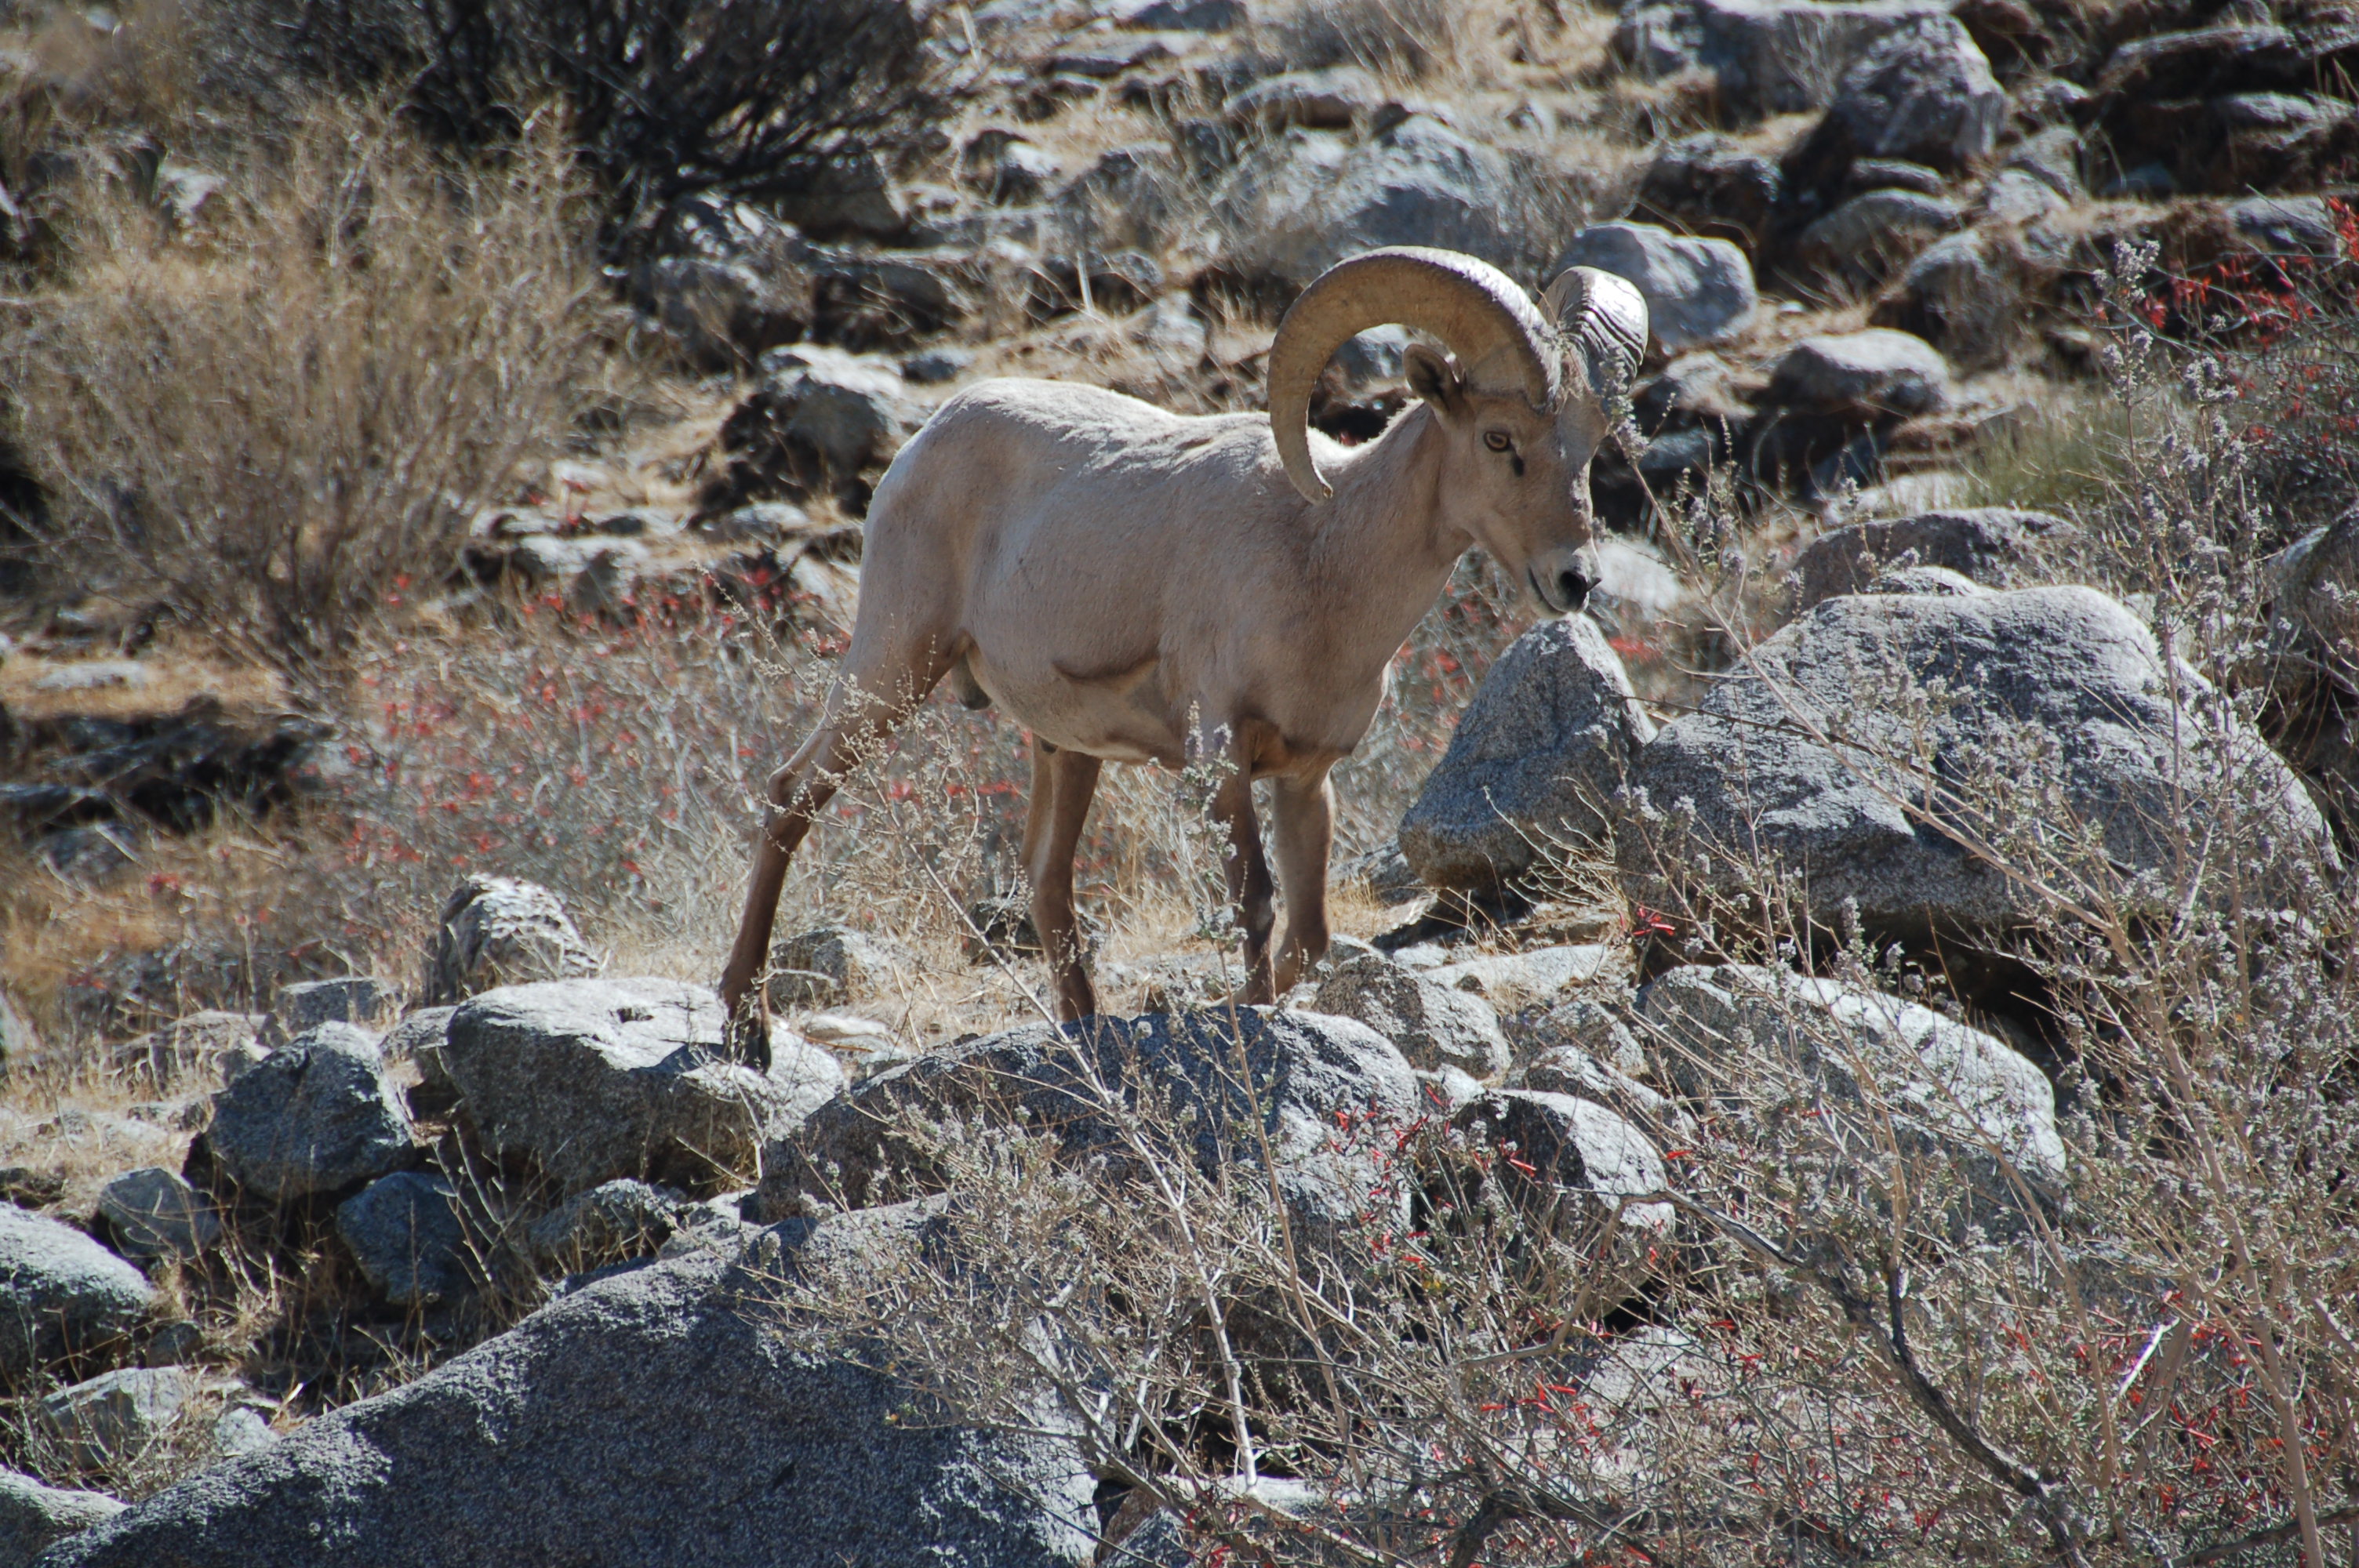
(608, 1224)
(1548, 739)
(1871, 374)
(1233, 1083)
(1699, 292)
(1877, 1063)
(1333, 99)
(1434, 1024)
(60, 1292)
(1305, 201)
(154, 1214)
(1922, 91)
(315, 1115)
(1865, 237)
(406, 1232)
(498, 931)
(1997, 546)
(599, 1080)
(1770, 57)
(1565, 1161)
(114, 1418)
(673, 1414)
(1859, 745)
(33, 1515)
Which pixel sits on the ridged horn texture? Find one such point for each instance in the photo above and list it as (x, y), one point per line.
(1603, 321)
(1478, 312)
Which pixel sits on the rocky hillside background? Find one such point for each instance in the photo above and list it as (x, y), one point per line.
(1844, 1051)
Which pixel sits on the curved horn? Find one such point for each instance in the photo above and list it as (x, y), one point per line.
(1603, 318)
(1477, 311)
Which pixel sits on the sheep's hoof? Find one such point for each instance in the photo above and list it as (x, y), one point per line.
(747, 1037)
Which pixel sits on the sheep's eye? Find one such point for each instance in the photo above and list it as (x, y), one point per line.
(1496, 440)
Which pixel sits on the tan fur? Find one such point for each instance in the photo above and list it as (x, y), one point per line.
(1135, 586)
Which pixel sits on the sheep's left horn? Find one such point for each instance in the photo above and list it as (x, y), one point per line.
(1604, 320)
(1478, 312)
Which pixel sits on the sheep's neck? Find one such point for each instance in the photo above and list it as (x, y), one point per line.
(1382, 548)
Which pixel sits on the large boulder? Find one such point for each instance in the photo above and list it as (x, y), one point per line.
(678, 1413)
(1770, 57)
(1236, 1083)
(1922, 91)
(362, 1001)
(1712, 184)
(818, 420)
(1965, 295)
(497, 931)
(1698, 291)
(1435, 1025)
(1864, 239)
(32, 1516)
(1870, 375)
(1851, 740)
(1880, 1065)
(599, 1080)
(1569, 1159)
(1997, 546)
(1306, 201)
(60, 1292)
(316, 1116)
(1547, 740)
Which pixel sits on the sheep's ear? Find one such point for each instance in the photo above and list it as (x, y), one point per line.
(1433, 376)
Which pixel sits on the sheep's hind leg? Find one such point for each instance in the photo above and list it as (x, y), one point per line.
(1302, 823)
(1064, 783)
(857, 716)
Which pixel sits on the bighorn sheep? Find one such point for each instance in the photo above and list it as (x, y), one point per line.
(1136, 585)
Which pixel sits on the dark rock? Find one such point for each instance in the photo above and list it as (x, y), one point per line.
(609, 1223)
(1997, 546)
(60, 1294)
(406, 1233)
(816, 425)
(631, 1421)
(177, 771)
(1968, 295)
(599, 1079)
(1862, 240)
(1548, 738)
(2309, 671)
(314, 1117)
(1922, 91)
(153, 1214)
(1709, 185)
(1868, 376)
(498, 931)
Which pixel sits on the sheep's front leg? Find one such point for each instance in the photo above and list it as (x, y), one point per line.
(1302, 819)
(1063, 783)
(1250, 889)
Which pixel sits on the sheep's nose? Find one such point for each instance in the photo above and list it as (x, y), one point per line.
(1573, 588)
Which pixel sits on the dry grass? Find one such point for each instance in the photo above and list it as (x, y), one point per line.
(358, 343)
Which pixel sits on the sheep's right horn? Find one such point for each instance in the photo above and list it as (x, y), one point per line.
(1603, 318)
(1477, 311)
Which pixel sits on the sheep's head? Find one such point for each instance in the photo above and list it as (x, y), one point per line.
(1522, 396)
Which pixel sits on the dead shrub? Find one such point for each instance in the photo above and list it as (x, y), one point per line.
(263, 421)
